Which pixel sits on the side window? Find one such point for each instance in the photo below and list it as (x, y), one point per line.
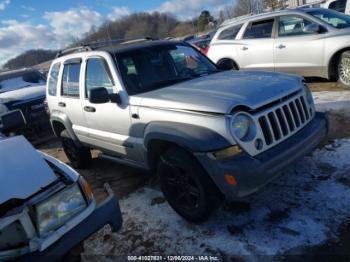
(230, 33)
(292, 26)
(53, 77)
(70, 80)
(338, 5)
(259, 29)
(97, 75)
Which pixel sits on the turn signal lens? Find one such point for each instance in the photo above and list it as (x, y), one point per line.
(86, 188)
(231, 180)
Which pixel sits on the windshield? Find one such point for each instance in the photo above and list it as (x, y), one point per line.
(333, 18)
(18, 81)
(154, 67)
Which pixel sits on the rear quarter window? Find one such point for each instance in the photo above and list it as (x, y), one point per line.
(230, 33)
(53, 79)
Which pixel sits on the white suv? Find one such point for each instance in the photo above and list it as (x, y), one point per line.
(312, 42)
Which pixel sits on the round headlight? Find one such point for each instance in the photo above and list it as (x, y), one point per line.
(240, 125)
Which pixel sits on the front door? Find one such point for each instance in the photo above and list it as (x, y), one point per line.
(108, 123)
(298, 52)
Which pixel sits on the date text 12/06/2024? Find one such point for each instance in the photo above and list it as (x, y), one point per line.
(173, 258)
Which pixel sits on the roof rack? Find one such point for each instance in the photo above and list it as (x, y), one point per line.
(98, 44)
(73, 50)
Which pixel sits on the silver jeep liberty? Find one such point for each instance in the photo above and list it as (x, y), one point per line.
(164, 107)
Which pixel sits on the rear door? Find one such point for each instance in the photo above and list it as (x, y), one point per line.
(255, 48)
(296, 51)
(70, 93)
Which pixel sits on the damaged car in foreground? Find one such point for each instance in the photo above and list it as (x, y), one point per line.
(46, 208)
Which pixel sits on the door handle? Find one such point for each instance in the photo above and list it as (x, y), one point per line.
(281, 46)
(244, 48)
(89, 109)
(61, 104)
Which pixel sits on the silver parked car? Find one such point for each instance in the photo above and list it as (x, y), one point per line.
(165, 107)
(311, 42)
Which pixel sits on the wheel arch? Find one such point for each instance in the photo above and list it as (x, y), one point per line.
(159, 136)
(61, 122)
(221, 60)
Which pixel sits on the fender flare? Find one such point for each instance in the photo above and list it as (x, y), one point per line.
(191, 137)
(65, 121)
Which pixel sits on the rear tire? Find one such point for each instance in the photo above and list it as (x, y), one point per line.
(228, 64)
(344, 69)
(79, 156)
(186, 186)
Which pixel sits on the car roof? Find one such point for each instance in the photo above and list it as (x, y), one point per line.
(130, 46)
(243, 19)
(115, 47)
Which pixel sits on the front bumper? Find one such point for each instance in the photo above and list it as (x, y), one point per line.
(252, 173)
(107, 213)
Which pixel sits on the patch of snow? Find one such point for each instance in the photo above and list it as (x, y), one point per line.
(304, 207)
(332, 100)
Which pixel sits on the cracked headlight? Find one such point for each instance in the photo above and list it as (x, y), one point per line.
(59, 208)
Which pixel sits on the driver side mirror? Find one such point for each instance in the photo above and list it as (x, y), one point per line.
(312, 29)
(100, 95)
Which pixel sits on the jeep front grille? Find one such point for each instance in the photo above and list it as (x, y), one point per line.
(284, 120)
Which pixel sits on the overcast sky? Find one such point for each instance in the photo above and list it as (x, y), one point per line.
(28, 24)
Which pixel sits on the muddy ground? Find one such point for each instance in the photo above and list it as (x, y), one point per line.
(126, 180)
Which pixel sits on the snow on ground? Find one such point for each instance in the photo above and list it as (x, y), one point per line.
(304, 207)
(328, 100)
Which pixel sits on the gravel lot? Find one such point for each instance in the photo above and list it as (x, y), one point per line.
(300, 212)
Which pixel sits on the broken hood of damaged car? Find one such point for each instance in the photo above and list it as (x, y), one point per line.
(221, 92)
(23, 172)
(22, 94)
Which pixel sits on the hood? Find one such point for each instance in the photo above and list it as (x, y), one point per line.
(26, 93)
(221, 92)
(23, 172)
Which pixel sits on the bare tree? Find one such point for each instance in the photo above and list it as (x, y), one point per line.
(274, 4)
(244, 7)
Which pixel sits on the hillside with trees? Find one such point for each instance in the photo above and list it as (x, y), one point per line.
(156, 25)
(30, 58)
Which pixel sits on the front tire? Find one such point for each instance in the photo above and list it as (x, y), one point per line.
(344, 69)
(79, 156)
(186, 186)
